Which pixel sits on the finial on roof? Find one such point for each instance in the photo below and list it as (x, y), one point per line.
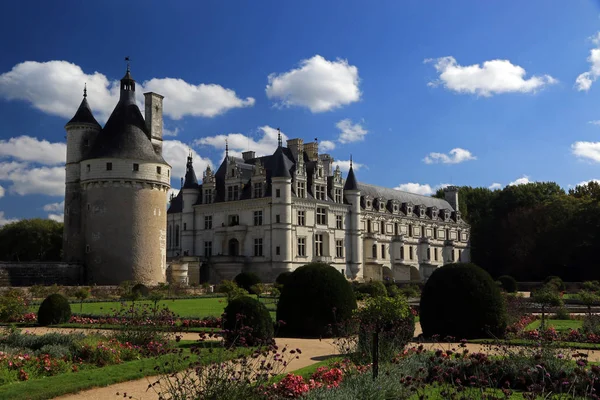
(85, 90)
(278, 137)
(350, 160)
(128, 66)
(226, 148)
(182, 182)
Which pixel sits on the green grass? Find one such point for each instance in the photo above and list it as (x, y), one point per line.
(558, 324)
(307, 371)
(525, 342)
(58, 385)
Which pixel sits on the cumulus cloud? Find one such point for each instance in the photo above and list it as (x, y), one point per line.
(176, 153)
(55, 87)
(266, 144)
(170, 132)
(4, 220)
(345, 165)
(350, 132)
(586, 182)
(54, 207)
(26, 148)
(422, 189)
(587, 150)
(585, 80)
(492, 77)
(495, 186)
(454, 156)
(2, 191)
(326, 145)
(317, 84)
(521, 181)
(35, 180)
(57, 217)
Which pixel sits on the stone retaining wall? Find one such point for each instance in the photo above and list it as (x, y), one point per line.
(40, 273)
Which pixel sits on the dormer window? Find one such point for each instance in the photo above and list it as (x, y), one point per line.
(368, 203)
(232, 173)
(421, 211)
(446, 215)
(408, 210)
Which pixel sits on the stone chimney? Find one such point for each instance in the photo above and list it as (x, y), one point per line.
(248, 155)
(296, 146)
(327, 161)
(154, 119)
(451, 195)
(312, 150)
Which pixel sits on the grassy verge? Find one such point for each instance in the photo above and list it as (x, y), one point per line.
(73, 382)
(558, 324)
(525, 342)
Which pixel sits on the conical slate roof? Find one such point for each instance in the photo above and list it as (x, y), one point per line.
(84, 115)
(281, 164)
(351, 183)
(191, 182)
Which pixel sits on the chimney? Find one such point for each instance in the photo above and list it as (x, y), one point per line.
(248, 155)
(451, 195)
(154, 119)
(327, 161)
(296, 146)
(312, 150)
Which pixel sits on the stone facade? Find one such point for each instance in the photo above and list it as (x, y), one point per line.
(40, 273)
(275, 213)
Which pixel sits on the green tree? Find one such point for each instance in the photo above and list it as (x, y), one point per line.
(31, 240)
(588, 299)
(81, 294)
(590, 190)
(546, 296)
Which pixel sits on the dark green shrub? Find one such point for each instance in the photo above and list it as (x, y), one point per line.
(282, 278)
(231, 289)
(411, 291)
(140, 290)
(393, 291)
(246, 280)
(392, 319)
(508, 283)
(556, 282)
(373, 289)
(55, 309)
(591, 324)
(463, 301)
(315, 298)
(247, 322)
(591, 286)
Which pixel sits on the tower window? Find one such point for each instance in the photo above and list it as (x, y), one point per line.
(277, 219)
(185, 226)
(277, 192)
(158, 170)
(86, 142)
(87, 248)
(136, 167)
(410, 251)
(277, 250)
(109, 166)
(374, 250)
(88, 167)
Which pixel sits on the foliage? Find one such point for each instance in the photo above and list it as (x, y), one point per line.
(547, 296)
(141, 289)
(282, 278)
(591, 324)
(391, 319)
(463, 301)
(246, 280)
(247, 322)
(562, 313)
(373, 288)
(55, 309)
(588, 299)
(555, 281)
(315, 297)
(591, 286)
(31, 240)
(231, 289)
(143, 325)
(13, 305)
(81, 294)
(393, 291)
(509, 284)
(411, 291)
(257, 289)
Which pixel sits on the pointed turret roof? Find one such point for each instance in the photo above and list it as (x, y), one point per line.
(191, 182)
(84, 113)
(351, 183)
(281, 165)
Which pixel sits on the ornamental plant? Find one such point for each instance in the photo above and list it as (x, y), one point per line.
(247, 322)
(547, 296)
(55, 309)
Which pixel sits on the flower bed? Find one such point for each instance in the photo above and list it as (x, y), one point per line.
(207, 322)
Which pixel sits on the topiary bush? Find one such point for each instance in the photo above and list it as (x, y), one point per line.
(55, 309)
(246, 280)
(282, 278)
(247, 322)
(463, 301)
(372, 289)
(508, 283)
(140, 290)
(315, 299)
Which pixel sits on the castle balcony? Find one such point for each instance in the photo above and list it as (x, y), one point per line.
(323, 259)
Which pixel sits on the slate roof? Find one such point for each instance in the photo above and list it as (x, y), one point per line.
(281, 165)
(84, 115)
(176, 204)
(403, 197)
(350, 183)
(190, 182)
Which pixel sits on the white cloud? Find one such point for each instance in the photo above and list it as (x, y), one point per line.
(238, 142)
(26, 148)
(492, 77)
(345, 165)
(4, 220)
(34, 180)
(454, 156)
(595, 122)
(172, 192)
(589, 150)
(586, 182)
(55, 87)
(350, 132)
(422, 189)
(521, 181)
(57, 217)
(585, 80)
(326, 145)
(176, 153)
(318, 84)
(495, 186)
(170, 132)
(2, 191)
(55, 207)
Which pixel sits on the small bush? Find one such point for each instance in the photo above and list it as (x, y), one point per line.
(141, 290)
(508, 283)
(282, 278)
(315, 298)
(562, 313)
(411, 291)
(393, 291)
(231, 289)
(13, 304)
(55, 309)
(591, 324)
(463, 301)
(246, 280)
(247, 322)
(591, 286)
(556, 282)
(373, 289)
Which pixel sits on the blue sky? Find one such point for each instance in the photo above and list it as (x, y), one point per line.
(421, 94)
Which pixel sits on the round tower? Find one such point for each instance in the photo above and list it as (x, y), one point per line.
(354, 232)
(190, 190)
(125, 181)
(281, 213)
(82, 131)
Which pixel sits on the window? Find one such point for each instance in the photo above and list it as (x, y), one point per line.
(208, 222)
(435, 254)
(168, 173)
(429, 254)
(422, 231)
(447, 234)
(402, 252)
(158, 170)
(136, 167)
(87, 248)
(86, 142)
(383, 251)
(232, 172)
(321, 216)
(169, 236)
(452, 254)
(258, 247)
(232, 192)
(233, 220)
(277, 219)
(176, 235)
(301, 189)
(374, 251)
(277, 192)
(410, 230)
(88, 167)
(396, 230)
(435, 233)
(184, 226)
(410, 252)
(368, 226)
(302, 218)
(208, 196)
(382, 227)
(258, 189)
(207, 249)
(302, 247)
(339, 248)
(109, 166)
(338, 195)
(257, 218)
(320, 192)
(460, 255)
(319, 244)
(338, 222)
(277, 250)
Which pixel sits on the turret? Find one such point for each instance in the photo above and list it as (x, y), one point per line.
(281, 192)
(190, 191)
(451, 195)
(354, 245)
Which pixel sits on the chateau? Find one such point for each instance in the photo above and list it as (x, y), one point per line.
(276, 213)
(116, 191)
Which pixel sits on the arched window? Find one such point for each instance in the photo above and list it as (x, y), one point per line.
(234, 247)
(176, 235)
(374, 251)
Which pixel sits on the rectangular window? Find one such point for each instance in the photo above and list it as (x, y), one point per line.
(236, 192)
(277, 250)
(184, 226)
(301, 189)
(302, 247)
(208, 222)
(339, 248)
(277, 192)
(410, 252)
(258, 189)
(158, 170)
(319, 244)
(423, 231)
(232, 193)
(88, 167)
(321, 216)
(258, 247)
(277, 219)
(396, 230)
(87, 248)
(320, 192)
(435, 233)
(208, 196)
(410, 230)
(402, 252)
(452, 254)
(301, 218)
(207, 249)
(383, 251)
(109, 166)
(435, 254)
(429, 254)
(338, 195)
(233, 220)
(338, 222)
(257, 218)
(136, 167)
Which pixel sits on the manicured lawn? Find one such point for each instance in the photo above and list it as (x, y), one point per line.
(558, 324)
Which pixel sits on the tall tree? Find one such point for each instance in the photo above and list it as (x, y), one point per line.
(31, 240)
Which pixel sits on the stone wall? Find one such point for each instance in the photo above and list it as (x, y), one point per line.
(40, 273)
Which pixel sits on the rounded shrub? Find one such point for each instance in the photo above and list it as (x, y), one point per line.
(555, 281)
(463, 301)
(247, 322)
(55, 309)
(246, 280)
(140, 290)
(315, 300)
(508, 283)
(282, 278)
